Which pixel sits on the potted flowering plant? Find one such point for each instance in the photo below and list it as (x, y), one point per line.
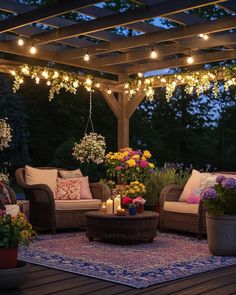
(129, 165)
(13, 232)
(220, 204)
(139, 202)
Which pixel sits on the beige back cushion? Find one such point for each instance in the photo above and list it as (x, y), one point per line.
(70, 173)
(192, 184)
(41, 176)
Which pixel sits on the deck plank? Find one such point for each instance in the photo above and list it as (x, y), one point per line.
(43, 281)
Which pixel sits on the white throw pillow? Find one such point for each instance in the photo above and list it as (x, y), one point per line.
(13, 210)
(41, 176)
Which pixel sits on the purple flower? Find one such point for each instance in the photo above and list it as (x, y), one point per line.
(208, 194)
(229, 183)
(152, 171)
(118, 168)
(220, 178)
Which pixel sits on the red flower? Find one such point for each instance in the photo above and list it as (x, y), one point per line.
(126, 201)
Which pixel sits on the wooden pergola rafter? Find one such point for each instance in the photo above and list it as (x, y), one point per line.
(65, 42)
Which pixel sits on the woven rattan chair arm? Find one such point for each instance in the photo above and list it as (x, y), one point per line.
(100, 191)
(170, 192)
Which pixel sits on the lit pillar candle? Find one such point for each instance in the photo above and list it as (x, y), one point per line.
(109, 205)
(117, 203)
(103, 208)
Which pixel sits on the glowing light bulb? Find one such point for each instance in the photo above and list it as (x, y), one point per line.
(56, 74)
(98, 85)
(75, 84)
(140, 75)
(109, 91)
(33, 50)
(49, 83)
(153, 54)
(37, 80)
(86, 57)
(126, 85)
(20, 42)
(190, 60)
(89, 81)
(204, 36)
(13, 73)
(45, 74)
(66, 78)
(163, 80)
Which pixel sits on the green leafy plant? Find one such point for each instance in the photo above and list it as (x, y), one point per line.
(15, 231)
(163, 177)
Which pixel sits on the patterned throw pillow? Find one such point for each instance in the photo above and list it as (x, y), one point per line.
(68, 189)
(5, 198)
(70, 173)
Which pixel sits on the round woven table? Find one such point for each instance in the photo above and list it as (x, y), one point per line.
(127, 228)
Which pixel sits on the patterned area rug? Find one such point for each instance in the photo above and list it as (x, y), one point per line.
(168, 258)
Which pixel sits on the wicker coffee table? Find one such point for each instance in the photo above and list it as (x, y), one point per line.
(128, 228)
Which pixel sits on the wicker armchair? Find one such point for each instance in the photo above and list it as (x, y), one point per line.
(194, 223)
(43, 213)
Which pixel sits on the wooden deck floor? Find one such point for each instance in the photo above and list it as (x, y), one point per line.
(42, 281)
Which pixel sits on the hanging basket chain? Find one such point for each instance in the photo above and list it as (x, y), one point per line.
(90, 121)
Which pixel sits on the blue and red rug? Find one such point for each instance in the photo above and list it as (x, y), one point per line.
(169, 257)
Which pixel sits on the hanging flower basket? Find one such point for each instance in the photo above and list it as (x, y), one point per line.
(90, 149)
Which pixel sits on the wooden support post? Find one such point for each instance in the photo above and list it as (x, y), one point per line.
(123, 123)
(123, 109)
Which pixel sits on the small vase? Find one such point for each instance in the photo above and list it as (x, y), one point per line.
(8, 257)
(140, 208)
(132, 211)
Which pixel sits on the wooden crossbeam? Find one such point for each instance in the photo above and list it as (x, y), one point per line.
(44, 12)
(110, 21)
(182, 61)
(55, 22)
(50, 53)
(219, 25)
(168, 49)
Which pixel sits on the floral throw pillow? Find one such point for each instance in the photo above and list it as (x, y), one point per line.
(68, 189)
(5, 198)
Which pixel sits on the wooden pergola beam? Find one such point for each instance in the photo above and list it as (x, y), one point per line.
(42, 13)
(219, 25)
(182, 61)
(167, 49)
(112, 102)
(119, 19)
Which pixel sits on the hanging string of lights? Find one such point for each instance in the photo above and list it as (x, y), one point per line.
(197, 81)
(55, 80)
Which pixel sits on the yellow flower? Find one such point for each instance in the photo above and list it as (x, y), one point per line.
(131, 162)
(132, 191)
(143, 158)
(24, 234)
(136, 157)
(147, 154)
(151, 165)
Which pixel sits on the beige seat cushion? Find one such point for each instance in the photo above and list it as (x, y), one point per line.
(41, 176)
(181, 207)
(91, 204)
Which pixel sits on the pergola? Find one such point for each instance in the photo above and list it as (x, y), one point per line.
(66, 42)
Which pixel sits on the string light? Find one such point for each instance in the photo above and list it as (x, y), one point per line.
(109, 91)
(140, 75)
(153, 53)
(20, 42)
(86, 57)
(97, 85)
(55, 74)
(45, 74)
(37, 80)
(13, 72)
(203, 36)
(33, 50)
(49, 83)
(76, 84)
(190, 60)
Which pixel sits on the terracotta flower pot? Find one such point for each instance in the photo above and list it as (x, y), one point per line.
(140, 208)
(8, 257)
(221, 234)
